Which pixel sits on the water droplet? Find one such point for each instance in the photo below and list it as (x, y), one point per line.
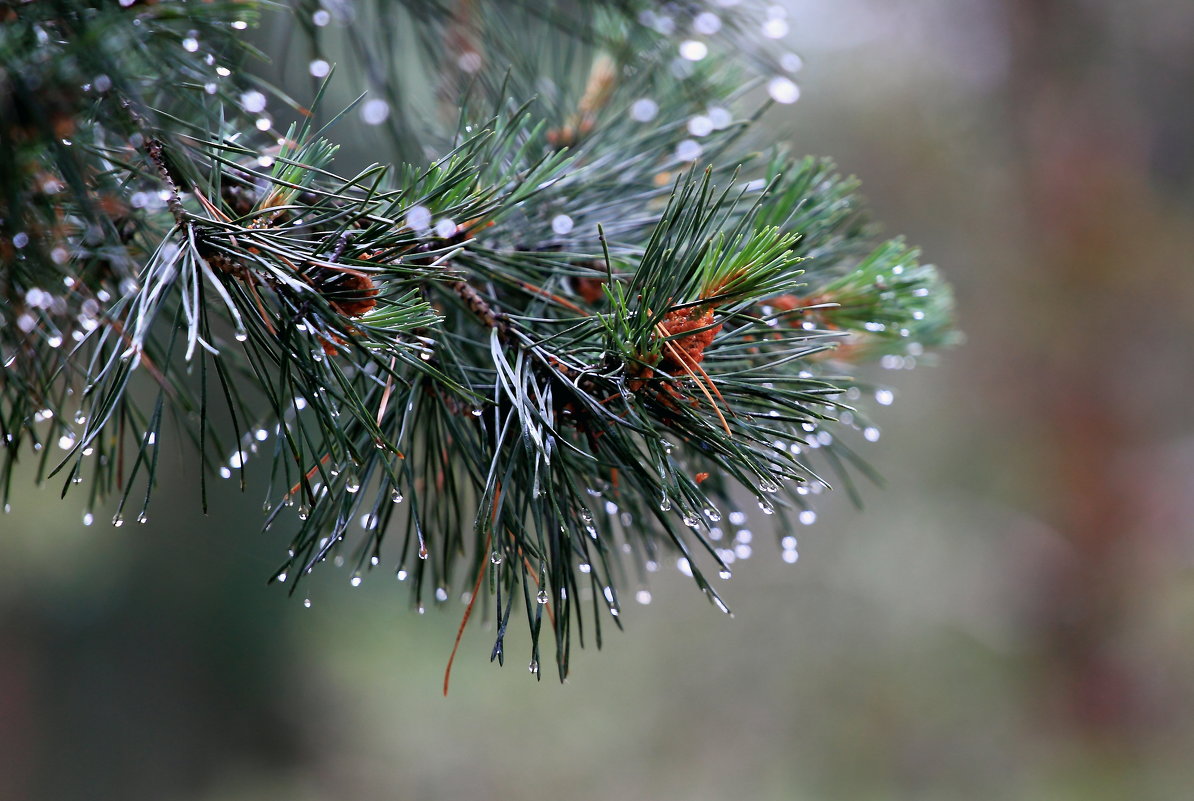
(496, 557)
(871, 434)
(282, 577)
(651, 565)
(684, 566)
(586, 516)
(351, 482)
(534, 666)
(720, 604)
(241, 335)
(665, 504)
(225, 472)
(88, 518)
(783, 90)
(768, 484)
(713, 514)
(700, 125)
(693, 49)
(396, 495)
(355, 581)
(118, 520)
(791, 555)
(142, 519)
(304, 511)
(441, 594)
(445, 228)
(375, 561)
(418, 219)
(692, 519)
(884, 397)
(253, 101)
(375, 111)
(643, 597)
(423, 552)
(307, 602)
(724, 575)
(584, 567)
(767, 508)
(542, 596)
(319, 68)
(561, 224)
(321, 17)
(688, 150)
(706, 23)
(808, 517)
(190, 44)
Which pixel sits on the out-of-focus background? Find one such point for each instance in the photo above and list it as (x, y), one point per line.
(1011, 618)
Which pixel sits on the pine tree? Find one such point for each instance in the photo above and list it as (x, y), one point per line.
(582, 310)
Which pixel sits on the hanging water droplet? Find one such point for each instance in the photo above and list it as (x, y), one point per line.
(584, 567)
(282, 577)
(767, 508)
(304, 511)
(477, 412)
(375, 561)
(534, 666)
(241, 335)
(118, 520)
(542, 597)
(808, 517)
(422, 551)
(791, 556)
(692, 519)
(585, 515)
(441, 594)
(351, 482)
(712, 514)
(643, 597)
(667, 446)
(496, 557)
(142, 519)
(307, 602)
(665, 504)
(396, 495)
(401, 575)
(720, 604)
(768, 484)
(88, 518)
(355, 581)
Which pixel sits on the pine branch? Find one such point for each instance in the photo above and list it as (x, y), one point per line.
(535, 364)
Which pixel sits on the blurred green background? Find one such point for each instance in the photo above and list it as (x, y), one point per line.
(1011, 618)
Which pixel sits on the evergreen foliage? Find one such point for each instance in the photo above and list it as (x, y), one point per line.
(586, 311)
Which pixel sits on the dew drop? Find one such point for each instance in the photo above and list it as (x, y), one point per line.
(783, 90)
(766, 507)
(117, 521)
(355, 581)
(396, 495)
(643, 597)
(307, 602)
(142, 519)
(808, 517)
(375, 111)
(534, 666)
(542, 596)
(496, 557)
(713, 514)
(88, 518)
(871, 434)
(441, 594)
(692, 519)
(319, 68)
(791, 556)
